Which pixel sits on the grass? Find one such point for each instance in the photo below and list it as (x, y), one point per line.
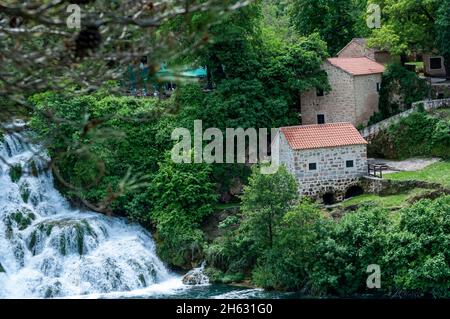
(435, 173)
(390, 201)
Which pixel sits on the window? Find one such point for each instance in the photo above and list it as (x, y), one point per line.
(320, 119)
(349, 164)
(435, 63)
(312, 166)
(320, 92)
(378, 86)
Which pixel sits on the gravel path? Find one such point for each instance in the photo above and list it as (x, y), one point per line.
(409, 165)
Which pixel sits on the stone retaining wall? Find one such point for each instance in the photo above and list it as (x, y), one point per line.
(370, 131)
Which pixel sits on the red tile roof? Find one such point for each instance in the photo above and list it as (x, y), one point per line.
(322, 136)
(357, 66)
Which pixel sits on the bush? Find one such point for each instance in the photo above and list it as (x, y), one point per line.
(342, 257)
(181, 196)
(419, 134)
(417, 259)
(288, 264)
(400, 88)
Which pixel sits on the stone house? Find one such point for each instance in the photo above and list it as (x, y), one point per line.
(358, 48)
(327, 160)
(355, 85)
(434, 65)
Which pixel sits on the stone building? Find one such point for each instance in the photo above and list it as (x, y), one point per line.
(358, 48)
(355, 85)
(327, 160)
(434, 65)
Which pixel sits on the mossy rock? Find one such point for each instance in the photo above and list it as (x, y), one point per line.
(62, 242)
(15, 173)
(217, 276)
(20, 219)
(25, 192)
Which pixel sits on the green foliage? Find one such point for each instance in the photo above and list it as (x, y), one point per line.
(288, 264)
(354, 243)
(95, 159)
(399, 90)
(337, 21)
(181, 195)
(417, 258)
(443, 32)
(406, 25)
(419, 134)
(15, 173)
(265, 201)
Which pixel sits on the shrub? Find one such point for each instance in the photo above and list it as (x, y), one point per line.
(417, 259)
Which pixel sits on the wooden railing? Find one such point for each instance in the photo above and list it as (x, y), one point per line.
(376, 170)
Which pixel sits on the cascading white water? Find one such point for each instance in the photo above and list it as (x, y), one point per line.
(48, 249)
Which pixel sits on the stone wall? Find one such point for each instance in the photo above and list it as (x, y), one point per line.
(369, 132)
(366, 96)
(337, 105)
(331, 175)
(352, 99)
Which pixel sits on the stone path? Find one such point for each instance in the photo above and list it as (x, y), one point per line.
(409, 165)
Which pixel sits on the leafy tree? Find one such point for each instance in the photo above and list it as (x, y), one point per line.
(400, 89)
(417, 259)
(414, 26)
(334, 20)
(443, 33)
(296, 68)
(181, 195)
(265, 201)
(287, 266)
(406, 25)
(342, 257)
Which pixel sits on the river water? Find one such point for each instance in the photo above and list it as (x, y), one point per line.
(50, 250)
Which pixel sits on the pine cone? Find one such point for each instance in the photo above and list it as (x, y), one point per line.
(88, 39)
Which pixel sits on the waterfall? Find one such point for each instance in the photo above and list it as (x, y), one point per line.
(48, 249)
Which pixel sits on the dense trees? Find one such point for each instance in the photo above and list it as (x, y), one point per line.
(111, 153)
(400, 89)
(316, 255)
(419, 134)
(337, 21)
(443, 33)
(414, 26)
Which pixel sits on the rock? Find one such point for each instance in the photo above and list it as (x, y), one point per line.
(196, 277)
(2, 269)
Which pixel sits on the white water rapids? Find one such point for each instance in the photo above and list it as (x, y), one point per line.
(48, 249)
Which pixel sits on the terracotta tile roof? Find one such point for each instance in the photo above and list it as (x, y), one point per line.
(322, 136)
(357, 66)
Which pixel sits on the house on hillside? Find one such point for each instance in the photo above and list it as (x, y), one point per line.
(357, 48)
(327, 160)
(434, 65)
(355, 86)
